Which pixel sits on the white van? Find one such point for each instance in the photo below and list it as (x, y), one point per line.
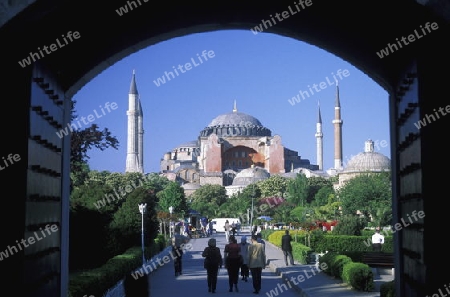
(219, 223)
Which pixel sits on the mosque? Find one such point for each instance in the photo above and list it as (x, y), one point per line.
(235, 149)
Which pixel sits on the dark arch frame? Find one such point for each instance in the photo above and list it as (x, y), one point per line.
(352, 30)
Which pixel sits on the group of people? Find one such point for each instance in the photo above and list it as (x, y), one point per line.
(232, 229)
(244, 257)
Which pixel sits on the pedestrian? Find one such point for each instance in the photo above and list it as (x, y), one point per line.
(233, 261)
(260, 240)
(178, 241)
(227, 228)
(238, 228)
(256, 262)
(377, 240)
(213, 261)
(210, 228)
(245, 272)
(286, 246)
(233, 228)
(254, 230)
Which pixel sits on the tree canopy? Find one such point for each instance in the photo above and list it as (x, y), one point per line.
(370, 194)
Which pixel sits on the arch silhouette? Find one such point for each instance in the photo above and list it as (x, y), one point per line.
(99, 36)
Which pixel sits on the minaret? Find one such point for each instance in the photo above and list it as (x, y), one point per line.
(234, 106)
(141, 138)
(134, 162)
(337, 122)
(319, 140)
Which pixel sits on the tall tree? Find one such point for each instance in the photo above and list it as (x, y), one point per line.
(315, 183)
(85, 139)
(172, 195)
(297, 190)
(127, 220)
(322, 195)
(370, 194)
(275, 185)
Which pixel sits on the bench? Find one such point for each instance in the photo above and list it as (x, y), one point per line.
(375, 259)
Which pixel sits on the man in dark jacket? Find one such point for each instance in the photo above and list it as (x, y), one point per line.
(287, 247)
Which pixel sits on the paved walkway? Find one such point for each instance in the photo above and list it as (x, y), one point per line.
(277, 278)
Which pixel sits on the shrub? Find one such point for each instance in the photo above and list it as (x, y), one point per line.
(359, 276)
(338, 264)
(300, 252)
(387, 289)
(328, 259)
(349, 225)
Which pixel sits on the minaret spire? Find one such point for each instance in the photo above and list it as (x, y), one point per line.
(133, 88)
(135, 133)
(319, 138)
(235, 107)
(337, 122)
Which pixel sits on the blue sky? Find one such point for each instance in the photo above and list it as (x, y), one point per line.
(261, 72)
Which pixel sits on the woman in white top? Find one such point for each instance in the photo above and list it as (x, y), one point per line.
(245, 272)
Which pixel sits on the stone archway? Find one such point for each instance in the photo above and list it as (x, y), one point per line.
(352, 30)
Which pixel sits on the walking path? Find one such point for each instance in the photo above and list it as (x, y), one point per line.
(277, 278)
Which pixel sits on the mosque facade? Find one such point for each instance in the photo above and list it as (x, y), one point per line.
(235, 149)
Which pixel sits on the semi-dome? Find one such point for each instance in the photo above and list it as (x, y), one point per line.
(250, 175)
(235, 124)
(368, 161)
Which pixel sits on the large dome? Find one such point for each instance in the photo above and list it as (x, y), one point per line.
(235, 119)
(235, 124)
(368, 161)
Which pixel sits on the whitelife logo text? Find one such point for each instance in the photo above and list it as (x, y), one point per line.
(33, 57)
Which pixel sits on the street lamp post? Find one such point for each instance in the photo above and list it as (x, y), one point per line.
(251, 215)
(170, 221)
(142, 210)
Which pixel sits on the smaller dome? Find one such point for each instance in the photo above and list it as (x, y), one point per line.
(369, 160)
(250, 175)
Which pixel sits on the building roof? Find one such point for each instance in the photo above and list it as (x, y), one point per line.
(250, 175)
(192, 143)
(369, 160)
(235, 124)
(235, 119)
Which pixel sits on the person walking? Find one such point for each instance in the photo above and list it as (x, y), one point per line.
(245, 272)
(213, 261)
(256, 262)
(227, 228)
(286, 246)
(233, 261)
(377, 240)
(178, 241)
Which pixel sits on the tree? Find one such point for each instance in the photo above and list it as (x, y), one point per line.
(83, 140)
(126, 223)
(370, 194)
(315, 183)
(215, 194)
(89, 224)
(172, 195)
(235, 206)
(297, 190)
(322, 195)
(350, 224)
(275, 185)
(155, 182)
